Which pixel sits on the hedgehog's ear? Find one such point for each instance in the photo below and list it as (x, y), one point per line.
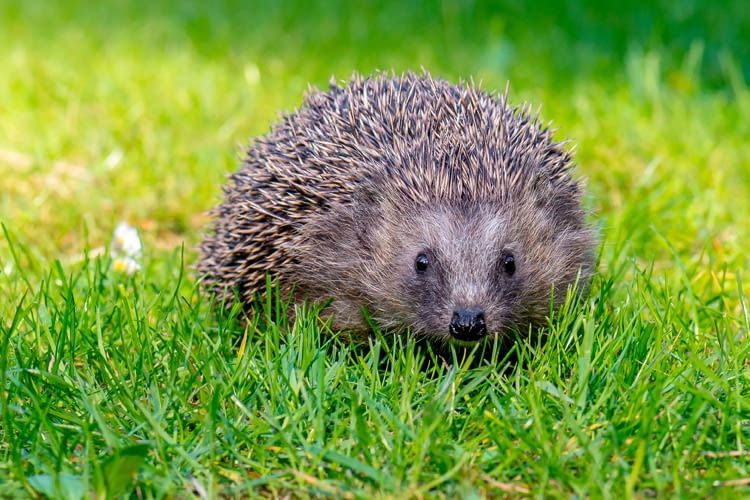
(350, 222)
(560, 200)
(366, 215)
(368, 193)
(346, 227)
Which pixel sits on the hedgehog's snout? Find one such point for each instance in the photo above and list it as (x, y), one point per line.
(468, 325)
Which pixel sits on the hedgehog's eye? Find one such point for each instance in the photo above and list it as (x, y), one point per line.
(421, 263)
(509, 264)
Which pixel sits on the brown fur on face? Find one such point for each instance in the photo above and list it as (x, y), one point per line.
(340, 198)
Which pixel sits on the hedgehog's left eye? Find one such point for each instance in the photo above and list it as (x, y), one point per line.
(421, 263)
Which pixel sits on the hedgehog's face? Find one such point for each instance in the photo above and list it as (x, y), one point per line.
(465, 273)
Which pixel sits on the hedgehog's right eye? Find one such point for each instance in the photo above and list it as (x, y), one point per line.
(421, 263)
(509, 264)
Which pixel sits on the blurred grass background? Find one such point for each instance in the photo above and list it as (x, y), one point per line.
(137, 110)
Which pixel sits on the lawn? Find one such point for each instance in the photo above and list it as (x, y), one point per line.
(137, 110)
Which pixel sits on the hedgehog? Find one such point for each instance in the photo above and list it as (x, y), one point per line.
(408, 203)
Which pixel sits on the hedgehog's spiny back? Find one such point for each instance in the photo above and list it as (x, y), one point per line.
(410, 137)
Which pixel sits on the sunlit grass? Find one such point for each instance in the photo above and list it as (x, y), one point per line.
(117, 112)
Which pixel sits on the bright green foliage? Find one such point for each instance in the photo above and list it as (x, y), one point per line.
(135, 110)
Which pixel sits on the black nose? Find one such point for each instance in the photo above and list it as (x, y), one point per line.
(468, 325)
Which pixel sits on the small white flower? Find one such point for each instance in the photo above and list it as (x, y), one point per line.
(126, 249)
(125, 241)
(126, 265)
(114, 159)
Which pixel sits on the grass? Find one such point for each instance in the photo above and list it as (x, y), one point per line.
(135, 110)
